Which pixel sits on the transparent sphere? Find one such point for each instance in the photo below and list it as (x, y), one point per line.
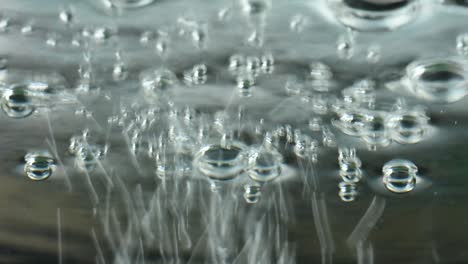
(221, 161)
(17, 103)
(350, 121)
(375, 15)
(441, 80)
(399, 175)
(129, 3)
(39, 165)
(375, 130)
(156, 82)
(348, 191)
(265, 164)
(408, 127)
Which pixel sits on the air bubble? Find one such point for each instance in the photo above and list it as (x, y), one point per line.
(399, 176)
(350, 165)
(102, 34)
(252, 192)
(319, 104)
(88, 156)
(298, 23)
(293, 86)
(252, 65)
(245, 84)
(443, 80)
(328, 138)
(4, 24)
(264, 164)
(17, 103)
(408, 126)
(345, 48)
(375, 131)
(221, 162)
(52, 40)
(224, 14)
(197, 75)
(366, 15)
(320, 76)
(146, 37)
(462, 44)
(155, 82)
(120, 71)
(27, 29)
(236, 63)
(304, 146)
(199, 37)
(348, 191)
(315, 123)
(373, 54)
(3, 63)
(39, 165)
(66, 16)
(320, 71)
(267, 63)
(361, 93)
(162, 46)
(254, 7)
(350, 121)
(255, 39)
(128, 4)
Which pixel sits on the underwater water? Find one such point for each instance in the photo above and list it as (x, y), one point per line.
(233, 131)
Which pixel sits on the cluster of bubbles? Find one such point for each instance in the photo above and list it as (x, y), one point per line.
(87, 153)
(399, 175)
(379, 125)
(246, 70)
(185, 144)
(350, 172)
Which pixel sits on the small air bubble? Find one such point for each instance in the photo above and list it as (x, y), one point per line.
(348, 191)
(399, 176)
(146, 37)
(408, 126)
(298, 23)
(66, 16)
(252, 192)
(267, 63)
(350, 165)
(102, 34)
(120, 71)
(4, 24)
(3, 63)
(39, 165)
(158, 81)
(264, 164)
(245, 84)
(462, 44)
(373, 54)
(345, 48)
(236, 63)
(221, 162)
(315, 123)
(16, 102)
(197, 75)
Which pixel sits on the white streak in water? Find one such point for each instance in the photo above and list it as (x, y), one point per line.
(367, 222)
(323, 229)
(55, 153)
(100, 255)
(59, 233)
